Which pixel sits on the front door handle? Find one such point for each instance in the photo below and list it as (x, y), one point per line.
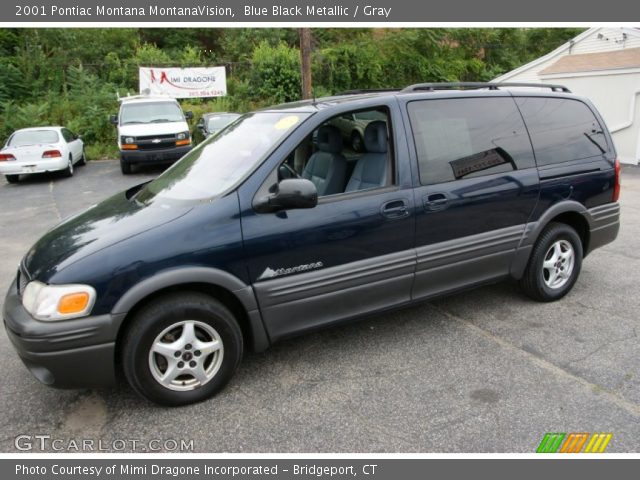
(435, 201)
(395, 209)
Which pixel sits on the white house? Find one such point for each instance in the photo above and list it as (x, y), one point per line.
(602, 64)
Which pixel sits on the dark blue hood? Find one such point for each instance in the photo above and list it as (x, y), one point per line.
(111, 221)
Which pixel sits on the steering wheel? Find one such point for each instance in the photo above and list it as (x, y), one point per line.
(290, 172)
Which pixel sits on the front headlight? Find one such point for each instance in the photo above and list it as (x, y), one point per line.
(58, 302)
(182, 135)
(127, 140)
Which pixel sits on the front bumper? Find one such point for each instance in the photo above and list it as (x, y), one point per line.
(76, 353)
(163, 155)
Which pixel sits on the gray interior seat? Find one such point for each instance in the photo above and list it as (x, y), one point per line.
(371, 169)
(327, 168)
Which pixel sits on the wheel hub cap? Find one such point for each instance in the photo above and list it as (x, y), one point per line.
(558, 264)
(186, 355)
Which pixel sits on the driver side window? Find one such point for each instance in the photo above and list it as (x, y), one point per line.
(351, 152)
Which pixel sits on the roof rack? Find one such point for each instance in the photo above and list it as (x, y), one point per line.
(430, 87)
(358, 91)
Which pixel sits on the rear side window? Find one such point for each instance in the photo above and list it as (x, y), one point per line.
(67, 135)
(468, 137)
(562, 129)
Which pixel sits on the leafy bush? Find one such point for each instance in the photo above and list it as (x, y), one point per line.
(72, 76)
(275, 73)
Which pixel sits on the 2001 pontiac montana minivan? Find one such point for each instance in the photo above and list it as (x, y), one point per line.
(274, 227)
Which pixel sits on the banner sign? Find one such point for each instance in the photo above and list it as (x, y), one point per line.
(183, 82)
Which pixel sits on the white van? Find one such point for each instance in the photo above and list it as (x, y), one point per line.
(151, 130)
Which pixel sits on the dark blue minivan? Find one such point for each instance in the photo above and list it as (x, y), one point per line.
(278, 226)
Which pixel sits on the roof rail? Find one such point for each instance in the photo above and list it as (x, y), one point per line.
(358, 91)
(430, 87)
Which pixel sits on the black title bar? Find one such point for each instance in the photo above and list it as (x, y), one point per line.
(319, 11)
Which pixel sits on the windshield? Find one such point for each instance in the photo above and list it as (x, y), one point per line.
(151, 112)
(221, 161)
(218, 123)
(33, 137)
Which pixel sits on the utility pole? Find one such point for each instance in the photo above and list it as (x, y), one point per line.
(305, 62)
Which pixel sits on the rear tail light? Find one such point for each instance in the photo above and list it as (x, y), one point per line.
(4, 157)
(52, 154)
(616, 182)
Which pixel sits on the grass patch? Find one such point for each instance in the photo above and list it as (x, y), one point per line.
(101, 151)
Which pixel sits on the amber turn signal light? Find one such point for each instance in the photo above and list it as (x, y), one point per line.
(73, 303)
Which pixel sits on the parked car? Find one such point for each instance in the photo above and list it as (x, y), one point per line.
(151, 130)
(262, 233)
(41, 149)
(352, 126)
(211, 123)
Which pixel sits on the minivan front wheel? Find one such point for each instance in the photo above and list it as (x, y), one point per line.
(181, 349)
(554, 265)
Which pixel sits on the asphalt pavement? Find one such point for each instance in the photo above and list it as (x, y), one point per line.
(487, 370)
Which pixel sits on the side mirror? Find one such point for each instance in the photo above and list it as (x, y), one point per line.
(188, 115)
(78, 137)
(113, 119)
(291, 193)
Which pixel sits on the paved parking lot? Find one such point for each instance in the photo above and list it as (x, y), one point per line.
(482, 371)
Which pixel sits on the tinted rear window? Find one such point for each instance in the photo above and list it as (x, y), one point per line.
(468, 137)
(562, 129)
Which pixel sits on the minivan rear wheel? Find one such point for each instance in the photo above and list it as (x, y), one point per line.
(554, 265)
(181, 349)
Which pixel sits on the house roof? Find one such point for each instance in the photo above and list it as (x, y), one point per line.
(588, 62)
(566, 47)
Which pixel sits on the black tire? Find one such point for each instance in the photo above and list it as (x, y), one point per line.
(160, 315)
(12, 178)
(357, 144)
(68, 172)
(125, 167)
(534, 281)
(83, 159)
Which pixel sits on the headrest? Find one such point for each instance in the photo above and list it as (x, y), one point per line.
(375, 137)
(329, 139)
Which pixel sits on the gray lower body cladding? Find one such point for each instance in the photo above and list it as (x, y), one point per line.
(309, 300)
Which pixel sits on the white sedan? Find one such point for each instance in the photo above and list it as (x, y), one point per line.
(40, 149)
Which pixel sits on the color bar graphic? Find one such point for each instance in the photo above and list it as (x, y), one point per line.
(574, 442)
